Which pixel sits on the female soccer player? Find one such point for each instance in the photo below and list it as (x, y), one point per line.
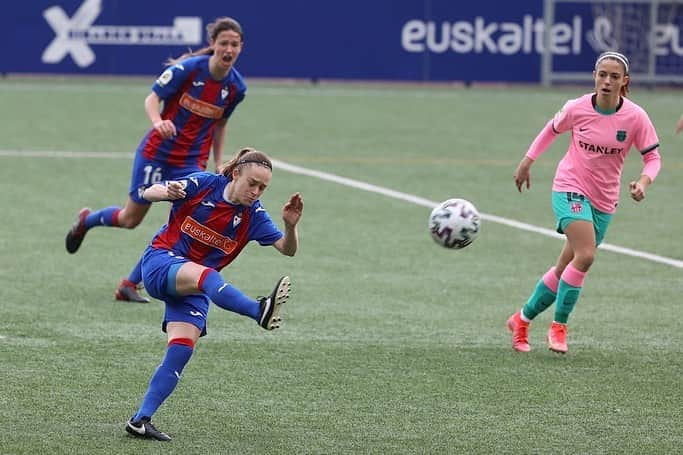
(212, 219)
(604, 125)
(200, 91)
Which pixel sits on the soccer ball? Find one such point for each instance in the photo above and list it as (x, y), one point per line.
(454, 223)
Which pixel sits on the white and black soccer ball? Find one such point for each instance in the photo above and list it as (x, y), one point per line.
(454, 223)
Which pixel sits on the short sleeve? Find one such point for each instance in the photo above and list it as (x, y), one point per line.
(262, 228)
(170, 81)
(563, 119)
(647, 139)
(196, 182)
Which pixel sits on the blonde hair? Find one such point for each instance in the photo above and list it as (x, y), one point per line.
(248, 156)
(213, 29)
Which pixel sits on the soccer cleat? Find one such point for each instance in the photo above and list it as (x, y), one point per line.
(520, 333)
(270, 306)
(145, 429)
(557, 338)
(76, 234)
(128, 292)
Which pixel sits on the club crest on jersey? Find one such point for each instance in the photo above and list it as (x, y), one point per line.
(621, 135)
(576, 207)
(225, 92)
(237, 219)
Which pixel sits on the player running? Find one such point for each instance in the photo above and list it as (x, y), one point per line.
(604, 126)
(199, 91)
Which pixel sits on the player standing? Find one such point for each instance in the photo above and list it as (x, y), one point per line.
(604, 126)
(199, 91)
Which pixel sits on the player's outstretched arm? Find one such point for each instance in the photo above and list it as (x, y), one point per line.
(291, 214)
(171, 191)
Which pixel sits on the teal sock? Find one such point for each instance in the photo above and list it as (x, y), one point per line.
(541, 299)
(567, 296)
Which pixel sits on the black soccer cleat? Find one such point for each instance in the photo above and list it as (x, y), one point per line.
(76, 234)
(270, 306)
(128, 292)
(145, 429)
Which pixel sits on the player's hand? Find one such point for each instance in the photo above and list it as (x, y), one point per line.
(165, 128)
(522, 175)
(637, 191)
(292, 210)
(679, 125)
(175, 190)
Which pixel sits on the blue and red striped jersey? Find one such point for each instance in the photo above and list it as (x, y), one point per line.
(194, 101)
(207, 229)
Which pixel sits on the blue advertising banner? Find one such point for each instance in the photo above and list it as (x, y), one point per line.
(419, 40)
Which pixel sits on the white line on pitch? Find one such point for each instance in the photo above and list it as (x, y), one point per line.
(372, 189)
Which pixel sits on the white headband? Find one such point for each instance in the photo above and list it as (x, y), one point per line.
(615, 55)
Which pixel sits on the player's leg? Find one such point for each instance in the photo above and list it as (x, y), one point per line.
(192, 278)
(127, 217)
(128, 288)
(581, 237)
(182, 337)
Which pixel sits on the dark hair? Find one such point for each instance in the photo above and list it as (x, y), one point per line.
(248, 156)
(213, 29)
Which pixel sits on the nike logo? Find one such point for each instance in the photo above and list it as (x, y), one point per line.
(138, 430)
(197, 83)
(208, 204)
(582, 129)
(196, 313)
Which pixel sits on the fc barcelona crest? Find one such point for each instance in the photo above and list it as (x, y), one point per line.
(621, 135)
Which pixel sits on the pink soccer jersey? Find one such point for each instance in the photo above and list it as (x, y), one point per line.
(599, 144)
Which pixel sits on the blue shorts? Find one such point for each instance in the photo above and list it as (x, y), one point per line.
(570, 207)
(148, 172)
(159, 268)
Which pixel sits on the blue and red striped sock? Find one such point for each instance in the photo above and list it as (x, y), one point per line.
(103, 217)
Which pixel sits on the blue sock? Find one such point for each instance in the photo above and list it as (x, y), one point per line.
(103, 217)
(227, 296)
(165, 377)
(136, 274)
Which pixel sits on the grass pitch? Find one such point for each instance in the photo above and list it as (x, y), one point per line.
(390, 344)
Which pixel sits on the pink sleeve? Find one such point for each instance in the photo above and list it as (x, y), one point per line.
(653, 162)
(647, 143)
(542, 141)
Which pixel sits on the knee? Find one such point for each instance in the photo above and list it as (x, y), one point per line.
(128, 222)
(584, 259)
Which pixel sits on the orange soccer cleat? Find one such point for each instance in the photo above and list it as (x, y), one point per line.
(520, 333)
(557, 338)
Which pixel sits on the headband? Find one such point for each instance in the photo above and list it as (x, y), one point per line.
(257, 161)
(615, 55)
